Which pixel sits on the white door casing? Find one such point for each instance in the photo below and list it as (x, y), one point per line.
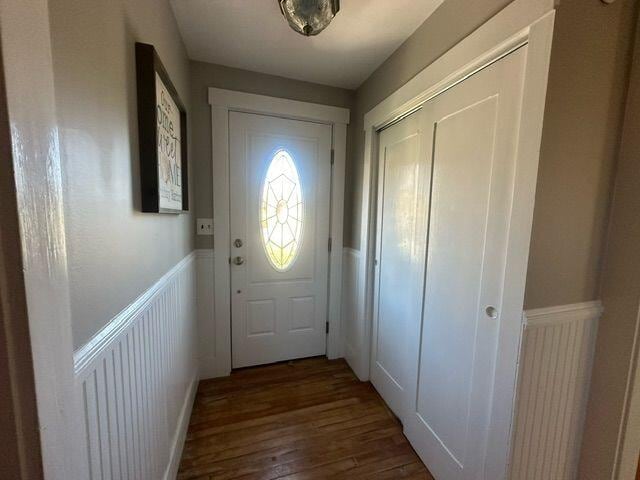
(472, 131)
(279, 237)
(223, 102)
(526, 24)
(403, 199)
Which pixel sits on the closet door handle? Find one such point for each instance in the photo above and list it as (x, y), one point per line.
(238, 260)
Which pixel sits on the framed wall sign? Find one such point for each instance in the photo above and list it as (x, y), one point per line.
(162, 130)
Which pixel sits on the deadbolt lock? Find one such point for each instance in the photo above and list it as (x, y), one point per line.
(237, 243)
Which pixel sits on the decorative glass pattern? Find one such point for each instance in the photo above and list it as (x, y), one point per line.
(281, 212)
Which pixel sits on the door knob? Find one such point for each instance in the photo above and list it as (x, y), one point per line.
(491, 312)
(238, 260)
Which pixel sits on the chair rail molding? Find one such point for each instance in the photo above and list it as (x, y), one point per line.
(553, 387)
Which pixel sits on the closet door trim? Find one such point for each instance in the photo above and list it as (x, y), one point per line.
(523, 23)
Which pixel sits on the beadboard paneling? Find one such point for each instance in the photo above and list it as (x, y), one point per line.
(554, 373)
(208, 365)
(137, 378)
(352, 319)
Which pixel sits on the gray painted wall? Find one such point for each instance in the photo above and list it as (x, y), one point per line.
(590, 63)
(589, 68)
(621, 299)
(205, 75)
(114, 252)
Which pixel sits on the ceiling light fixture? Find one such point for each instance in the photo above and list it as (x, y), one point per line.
(309, 17)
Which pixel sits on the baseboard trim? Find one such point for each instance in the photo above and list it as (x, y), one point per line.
(180, 435)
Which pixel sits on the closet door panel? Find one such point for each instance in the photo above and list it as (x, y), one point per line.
(472, 132)
(403, 196)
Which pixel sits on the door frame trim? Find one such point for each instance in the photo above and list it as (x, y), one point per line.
(222, 102)
(523, 22)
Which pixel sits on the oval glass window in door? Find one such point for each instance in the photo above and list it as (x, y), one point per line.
(281, 211)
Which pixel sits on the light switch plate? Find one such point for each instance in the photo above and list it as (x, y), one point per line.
(204, 226)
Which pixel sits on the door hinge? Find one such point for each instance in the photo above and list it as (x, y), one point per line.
(333, 156)
(327, 327)
(330, 244)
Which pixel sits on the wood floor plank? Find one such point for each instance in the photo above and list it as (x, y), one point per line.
(310, 419)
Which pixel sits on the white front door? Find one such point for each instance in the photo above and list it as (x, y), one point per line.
(280, 178)
(455, 423)
(403, 198)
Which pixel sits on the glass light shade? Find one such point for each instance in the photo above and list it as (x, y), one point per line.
(309, 17)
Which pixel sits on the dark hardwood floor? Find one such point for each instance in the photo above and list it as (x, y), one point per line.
(307, 419)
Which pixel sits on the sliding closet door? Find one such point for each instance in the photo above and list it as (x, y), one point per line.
(472, 134)
(403, 183)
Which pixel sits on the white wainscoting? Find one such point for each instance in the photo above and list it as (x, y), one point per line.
(554, 373)
(138, 377)
(553, 380)
(208, 366)
(352, 317)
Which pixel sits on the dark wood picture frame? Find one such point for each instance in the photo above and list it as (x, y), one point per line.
(148, 64)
